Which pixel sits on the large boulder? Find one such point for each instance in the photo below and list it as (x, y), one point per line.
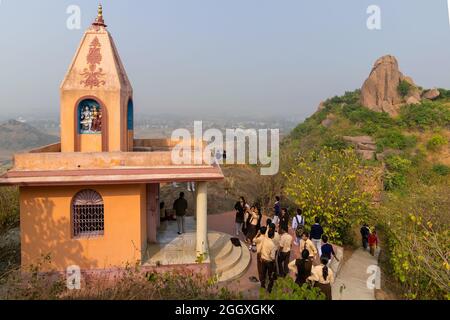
(380, 91)
(414, 95)
(359, 140)
(365, 146)
(412, 100)
(432, 94)
(328, 122)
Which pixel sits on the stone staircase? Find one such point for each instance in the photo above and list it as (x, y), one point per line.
(227, 261)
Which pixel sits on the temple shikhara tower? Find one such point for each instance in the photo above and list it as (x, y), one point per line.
(97, 84)
(93, 199)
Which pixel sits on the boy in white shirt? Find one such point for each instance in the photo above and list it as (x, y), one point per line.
(284, 253)
(268, 258)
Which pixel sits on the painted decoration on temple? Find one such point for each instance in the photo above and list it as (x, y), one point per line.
(89, 117)
(93, 74)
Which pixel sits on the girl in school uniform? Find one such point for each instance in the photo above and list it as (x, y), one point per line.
(301, 268)
(323, 278)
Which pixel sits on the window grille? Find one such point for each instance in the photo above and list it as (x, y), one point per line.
(88, 214)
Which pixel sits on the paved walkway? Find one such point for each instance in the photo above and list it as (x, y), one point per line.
(351, 283)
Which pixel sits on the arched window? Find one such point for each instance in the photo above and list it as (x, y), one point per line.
(88, 218)
(130, 115)
(89, 117)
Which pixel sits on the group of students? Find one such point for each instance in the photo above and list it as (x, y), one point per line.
(248, 220)
(273, 245)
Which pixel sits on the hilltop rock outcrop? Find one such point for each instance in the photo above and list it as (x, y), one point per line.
(380, 91)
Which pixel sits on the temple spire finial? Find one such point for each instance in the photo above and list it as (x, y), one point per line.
(100, 10)
(99, 21)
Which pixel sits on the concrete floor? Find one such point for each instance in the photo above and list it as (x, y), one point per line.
(172, 248)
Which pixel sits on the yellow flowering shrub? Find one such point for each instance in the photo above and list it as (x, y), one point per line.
(325, 184)
(418, 238)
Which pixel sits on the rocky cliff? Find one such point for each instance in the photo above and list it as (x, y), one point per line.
(380, 91)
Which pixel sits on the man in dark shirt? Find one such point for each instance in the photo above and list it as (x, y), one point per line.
(316, 236)
(180, 206)
(277, 211)
(365, 233)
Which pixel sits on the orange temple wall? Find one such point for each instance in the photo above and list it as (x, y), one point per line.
(46, 227)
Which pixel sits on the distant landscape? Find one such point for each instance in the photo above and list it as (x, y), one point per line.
(18, 135)
(26, 132)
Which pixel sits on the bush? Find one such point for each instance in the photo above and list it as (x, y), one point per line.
(396, 173)
(425, 115)
(287, 289)
(359, 114)
(441, 170)
(436, 143)
(444, 94)
(325, 185)
(305, 128)
(394, 139)
(9, 208)
(349, 98)
(335, 143)
(132, 284)
(404, 87)
(394, 181)
(398, 164)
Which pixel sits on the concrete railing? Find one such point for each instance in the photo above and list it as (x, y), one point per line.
(148, 153)
(95, 160)
(100, 160)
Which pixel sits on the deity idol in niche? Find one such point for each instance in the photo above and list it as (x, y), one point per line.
(90, 119)
(86, 120)
(96, 119)
(99, 120)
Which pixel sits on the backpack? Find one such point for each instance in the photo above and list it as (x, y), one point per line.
(300, 227)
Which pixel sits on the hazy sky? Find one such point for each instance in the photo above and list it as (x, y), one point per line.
(212, 57)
